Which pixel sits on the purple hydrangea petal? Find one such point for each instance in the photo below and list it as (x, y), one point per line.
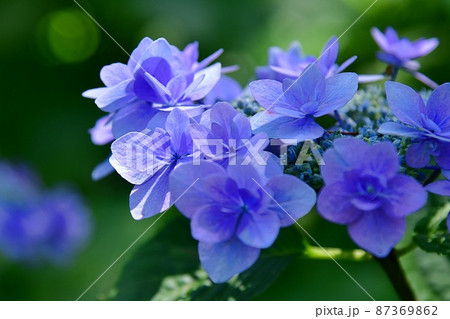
(289, 128)
(269, 94)
(102, 170)
(294, 196)
(437, 106)
(137, 156)
(398, 129)
(350, 151)
(159, 48)
(334, 204)
(132, 118)
(405, 103)
(376, 232)
(210, 76)
(346, 64)
(114, 74)
(440, 187)
(382, 158)
(136, 55)
(226, 89)
(151, 197)
(177, 124)
(190, 54)
(380, 39)
(101, 133)
(224, 260)
(340, 89)
(210, 224)
(258, 230)
(446, 174)
(116, 97)
(418, 155)
(208, 60)
(309, 87)
(443, 155)
(403, 196)
(367, 78)
(424, 46)
(330, 52)
(186, 187)
(94, 93)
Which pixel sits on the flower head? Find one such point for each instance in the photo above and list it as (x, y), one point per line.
(427, 124)
(293, 62)
(399, 51)
(37, 226)
(236, 211)
(146, 159)
(292, 105)
(364, 191)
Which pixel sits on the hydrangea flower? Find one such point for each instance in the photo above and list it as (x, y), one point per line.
(232, 216)
(228, 132)
(427, 124)
(364, 191)
(401, 52)
(226, 90)
(38, 226)
(291, 106)
(146, 160)
(293, 62)
(158, 73)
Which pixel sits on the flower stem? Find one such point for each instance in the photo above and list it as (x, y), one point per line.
(395, 273)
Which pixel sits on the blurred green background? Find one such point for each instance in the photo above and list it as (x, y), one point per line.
(51, 51)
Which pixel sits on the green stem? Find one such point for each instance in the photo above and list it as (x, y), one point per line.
(329, 253)
(405, 250)
(398, 279)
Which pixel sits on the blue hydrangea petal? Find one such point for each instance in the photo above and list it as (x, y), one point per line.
(102, 170)
(151, 197)
(308, 87)
(334, 204)
(132, 118)
(294, 196)
(376, 232)
(382, 158)
(403, 196)
(116, 97)
(136, 55)
(159, 48)
(406, 104)
(423, 47)
(440, 187)
(223, 260)
(101, 133)
(177, 125)
(209, 224)
(292, 128)
(437, 106)
(226, 89)
(269, 94)
(340, 89)
(443, 155)
(345, 64)
(398, 129)
(258, 230)
(446, 174)
(330, 52)
(114, 74)
(351, 150)
(186, 187)
(418, 155)
(210, 76)
(94, 93)
(380, 39)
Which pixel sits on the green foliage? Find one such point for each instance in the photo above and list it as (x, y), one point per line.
(432, 234)
(167, 268)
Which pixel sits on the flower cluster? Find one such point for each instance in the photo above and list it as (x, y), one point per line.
(37, 226)
(176, 138)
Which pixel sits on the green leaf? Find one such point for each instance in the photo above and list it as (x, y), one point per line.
(167, 268)
(172, 251)
(432, 234)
